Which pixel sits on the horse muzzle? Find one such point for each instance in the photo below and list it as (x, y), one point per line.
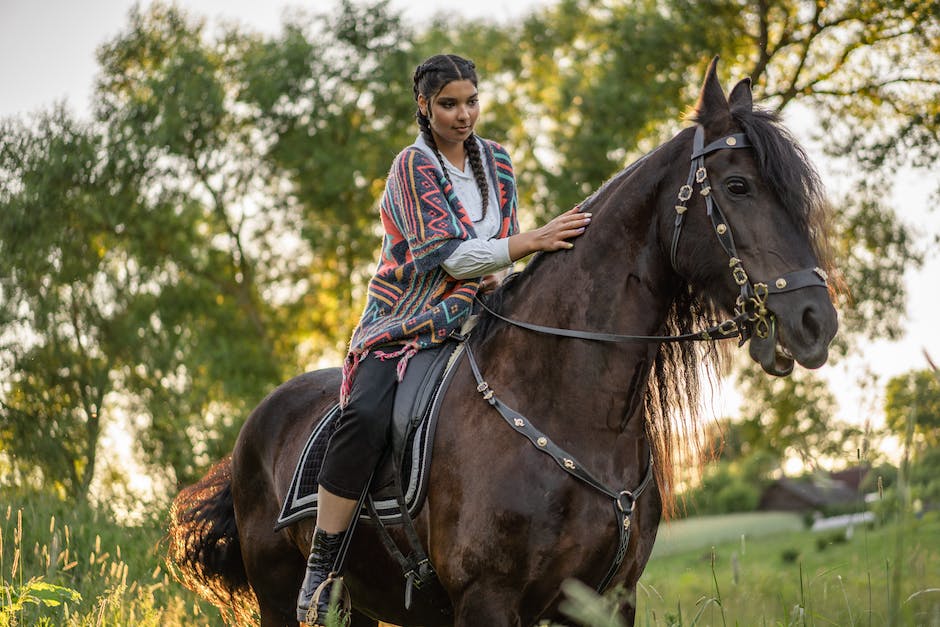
(801, 327)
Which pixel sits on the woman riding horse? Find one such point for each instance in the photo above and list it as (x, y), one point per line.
(441, 245)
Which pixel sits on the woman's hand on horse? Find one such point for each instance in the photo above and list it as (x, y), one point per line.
(552, 236)
(491, 281)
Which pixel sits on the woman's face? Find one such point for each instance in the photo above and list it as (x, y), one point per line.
(453, 112)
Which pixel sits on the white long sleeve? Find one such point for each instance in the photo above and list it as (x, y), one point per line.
(477, 257)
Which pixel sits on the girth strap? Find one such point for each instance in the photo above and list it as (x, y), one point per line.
(623, 500)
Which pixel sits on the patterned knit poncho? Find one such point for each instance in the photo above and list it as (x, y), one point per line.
(412, 302)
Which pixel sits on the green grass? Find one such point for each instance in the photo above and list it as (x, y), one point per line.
(66, 564)
(888, 575)
(705, 531)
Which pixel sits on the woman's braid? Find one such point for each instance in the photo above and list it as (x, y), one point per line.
(424, 123)
(472, 148)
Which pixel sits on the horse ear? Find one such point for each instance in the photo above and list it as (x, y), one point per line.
(741, 96)
(712, 105)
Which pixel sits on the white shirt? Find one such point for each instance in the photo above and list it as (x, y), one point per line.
(486, 253)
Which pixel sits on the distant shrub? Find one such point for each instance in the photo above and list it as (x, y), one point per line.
(737, 496)
(789, 555)
(833, 537)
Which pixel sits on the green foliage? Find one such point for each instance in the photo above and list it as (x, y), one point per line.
(915, 397)
(875, 248)
(924, 477)
(33, 592)
(64, 298)
(727, 487)
(787, 417)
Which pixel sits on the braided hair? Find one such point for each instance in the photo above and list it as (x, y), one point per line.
(429, 79)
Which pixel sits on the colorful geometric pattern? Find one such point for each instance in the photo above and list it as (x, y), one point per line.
(412, 302)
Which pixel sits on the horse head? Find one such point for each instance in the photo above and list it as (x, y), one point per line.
(747, 230)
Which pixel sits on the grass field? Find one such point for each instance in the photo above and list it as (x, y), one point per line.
(759, 570)
(68, 565)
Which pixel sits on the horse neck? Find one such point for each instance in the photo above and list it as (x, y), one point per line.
(616, 279)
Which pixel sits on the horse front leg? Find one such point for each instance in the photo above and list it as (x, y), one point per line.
(628, 609)
(487, 605)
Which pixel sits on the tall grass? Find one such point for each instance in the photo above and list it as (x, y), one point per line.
(68, 564)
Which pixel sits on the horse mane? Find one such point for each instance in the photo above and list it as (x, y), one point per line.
(676, 424)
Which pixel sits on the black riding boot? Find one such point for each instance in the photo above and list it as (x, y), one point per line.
(314, 598)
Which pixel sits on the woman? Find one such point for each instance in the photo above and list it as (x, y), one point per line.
(449, 214)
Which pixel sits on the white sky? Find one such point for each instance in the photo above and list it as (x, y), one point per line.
(47, 52)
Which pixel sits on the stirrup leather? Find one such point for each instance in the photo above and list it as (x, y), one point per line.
(340, 596)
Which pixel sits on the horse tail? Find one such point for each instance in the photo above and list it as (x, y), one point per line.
(204, 549)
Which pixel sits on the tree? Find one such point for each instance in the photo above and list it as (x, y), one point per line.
(791, 417)
(912, 400)
(148, 263)
(67, 297)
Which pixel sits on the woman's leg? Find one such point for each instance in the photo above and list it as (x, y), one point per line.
(333, 512)
(355, 449)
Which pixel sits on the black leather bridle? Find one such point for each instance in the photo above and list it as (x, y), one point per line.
(750, 312)
(751, 304)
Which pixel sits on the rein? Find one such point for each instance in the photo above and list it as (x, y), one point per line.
(722, 331)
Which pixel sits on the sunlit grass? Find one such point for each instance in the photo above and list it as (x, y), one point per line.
(804, 578)
(69, 565)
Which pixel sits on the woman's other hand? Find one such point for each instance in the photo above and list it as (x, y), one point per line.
(491, 281)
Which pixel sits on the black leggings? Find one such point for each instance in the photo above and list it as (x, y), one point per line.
(362, 434)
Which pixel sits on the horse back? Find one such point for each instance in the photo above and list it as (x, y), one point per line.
(273, 436)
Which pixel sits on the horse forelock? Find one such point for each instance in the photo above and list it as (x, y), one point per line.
(787, 170)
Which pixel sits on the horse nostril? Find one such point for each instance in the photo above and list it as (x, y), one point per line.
(811, 325)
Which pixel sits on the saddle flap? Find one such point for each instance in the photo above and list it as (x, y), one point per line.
(416, 392)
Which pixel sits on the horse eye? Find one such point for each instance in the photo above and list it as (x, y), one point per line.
(737, 186)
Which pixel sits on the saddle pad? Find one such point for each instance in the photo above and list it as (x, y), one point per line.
(301, 500)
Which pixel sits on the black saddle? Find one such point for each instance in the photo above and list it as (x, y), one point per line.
(414, 419)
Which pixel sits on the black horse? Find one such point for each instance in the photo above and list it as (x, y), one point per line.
(672, 245)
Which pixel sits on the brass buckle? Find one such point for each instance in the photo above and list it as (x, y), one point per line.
(728, 328)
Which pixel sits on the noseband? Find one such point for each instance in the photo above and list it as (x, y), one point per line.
(751, 304)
